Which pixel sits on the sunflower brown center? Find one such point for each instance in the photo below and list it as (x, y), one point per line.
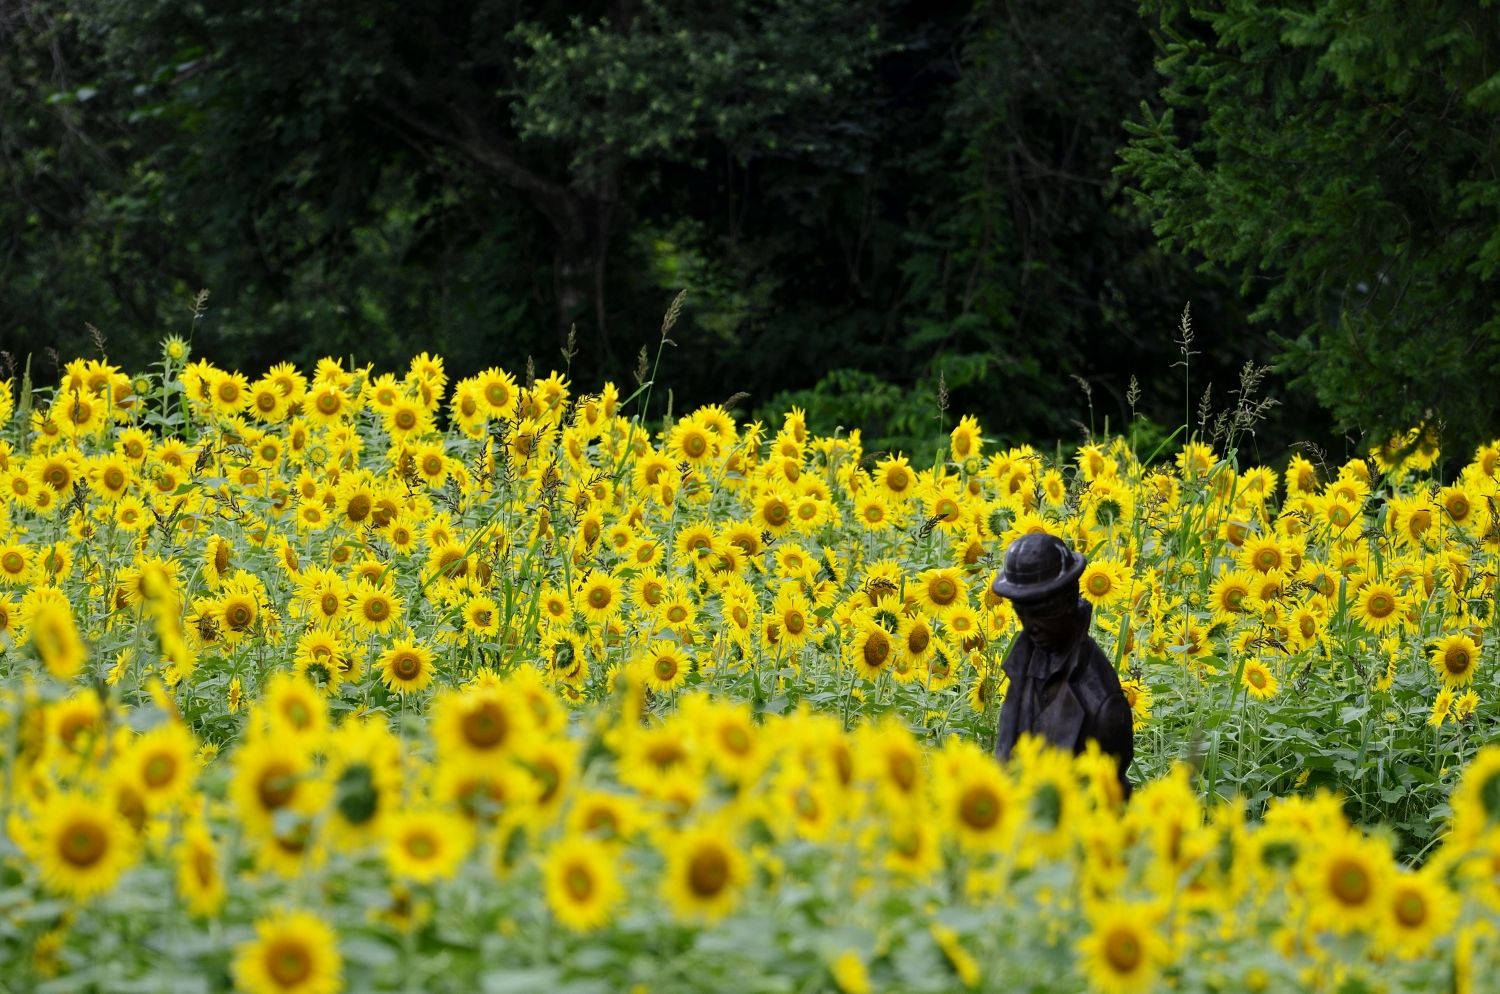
(1411, 909)
(735, 739)
(421, 845)
(1122, 950)
(83, 843)
(288, 962)
(486, 726)
(275, 787)
(979, 808)
(1349, 882)
(1456, 660)
(239, 615)
(903, 769)
(708, 873)
(160, 770)
(203, 866)
(297, 713)
(579, 882)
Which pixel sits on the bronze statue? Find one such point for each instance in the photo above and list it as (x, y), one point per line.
(1062, 686)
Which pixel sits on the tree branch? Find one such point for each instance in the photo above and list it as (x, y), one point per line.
(488, 152)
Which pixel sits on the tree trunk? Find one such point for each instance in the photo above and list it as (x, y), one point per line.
(581, 214)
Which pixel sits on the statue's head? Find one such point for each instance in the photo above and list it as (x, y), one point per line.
(1041, 579)
(1039, 568)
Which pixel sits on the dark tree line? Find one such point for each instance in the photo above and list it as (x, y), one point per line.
(867, 199)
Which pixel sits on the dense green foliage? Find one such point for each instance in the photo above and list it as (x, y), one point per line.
(1341, 156)
(869, 201)
(898, 193)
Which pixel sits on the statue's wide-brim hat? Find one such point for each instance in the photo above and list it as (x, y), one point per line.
(1038, 566)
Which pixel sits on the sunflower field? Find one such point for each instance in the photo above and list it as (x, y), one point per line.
(337, 680)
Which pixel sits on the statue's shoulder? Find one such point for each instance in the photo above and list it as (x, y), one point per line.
(1096, 676)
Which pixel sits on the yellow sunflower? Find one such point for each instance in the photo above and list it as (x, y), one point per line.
(426, 845)
(773, 512)
(978, 804)
(940, 590)
(269, 778)
(581, 883)
(873, 511)
(1123, 952)
(895, 478)
(563, 657)
(292, 953)
(705, 874)
(609, 817)
(376, 609)
(1104, 581)
(691, 442)
(481, 615)
(1455, 659)
(664, 666)
(1227, 595)
(480, 722)
(406, 666)
(163, 762)
(1346, 883)
(965, 441)
(81, 844)
(56, 639)
(200, 880)
(871, 650)
(1258, 680)
(1378, 606)
(1420, 910)
(598, 597)
(1476, 799)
